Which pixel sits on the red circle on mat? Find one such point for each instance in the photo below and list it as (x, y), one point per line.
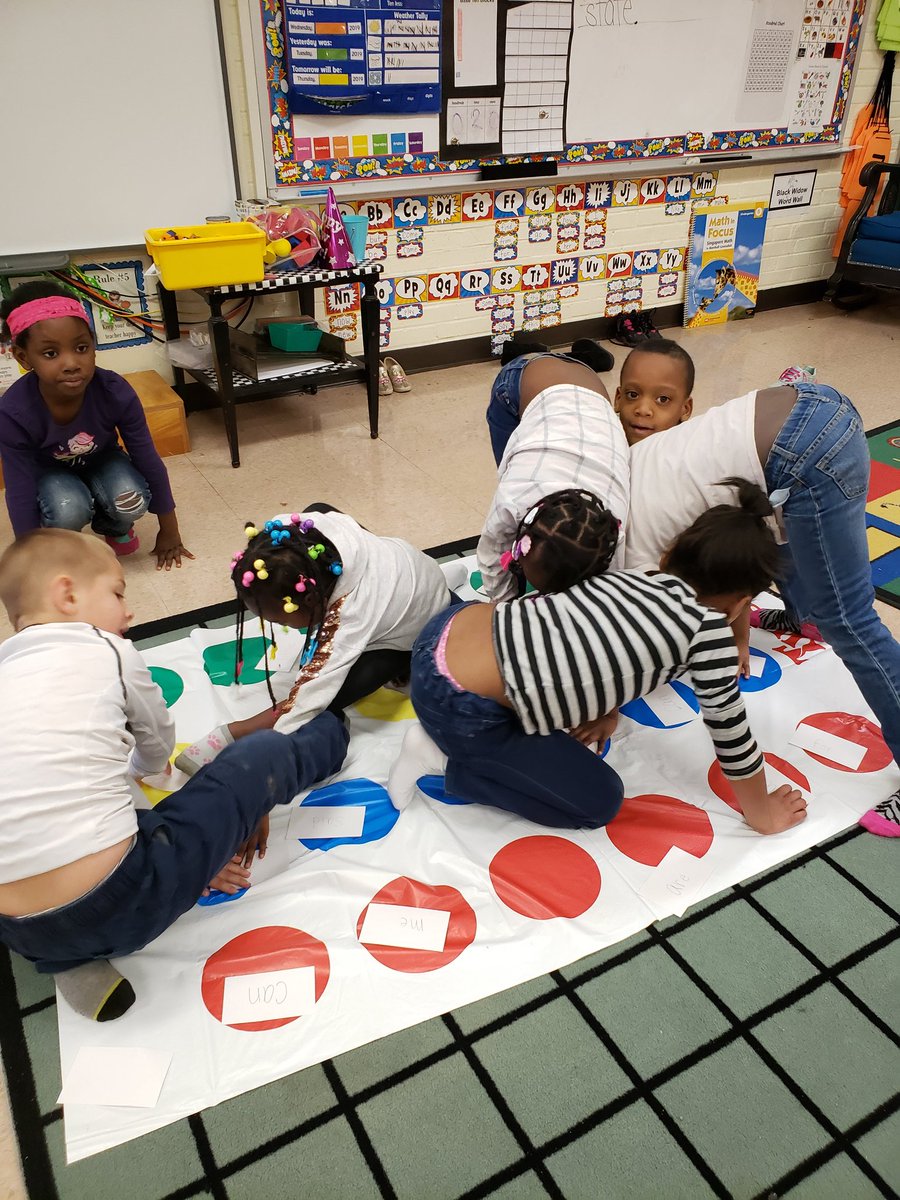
(545, 877)
(647, 827)
(723, 789)
(272, 948)
(411, 893)
(858, 730)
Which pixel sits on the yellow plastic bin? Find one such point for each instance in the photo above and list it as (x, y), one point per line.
(202, 256)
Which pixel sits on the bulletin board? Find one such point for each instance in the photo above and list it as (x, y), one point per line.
(522, 81)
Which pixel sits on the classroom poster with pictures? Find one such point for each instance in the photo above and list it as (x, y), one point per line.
(724, 257)
(122, 283)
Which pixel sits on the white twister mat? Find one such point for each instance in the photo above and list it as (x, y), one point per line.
(362, 921)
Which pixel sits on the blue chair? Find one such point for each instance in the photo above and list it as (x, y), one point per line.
(870, 251)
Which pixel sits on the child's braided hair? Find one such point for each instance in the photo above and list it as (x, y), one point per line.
(569, 536)
(291, 564)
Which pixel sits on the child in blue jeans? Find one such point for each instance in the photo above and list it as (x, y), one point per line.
(60, 426)
(805, 445)
(509, 696)
(84, 875)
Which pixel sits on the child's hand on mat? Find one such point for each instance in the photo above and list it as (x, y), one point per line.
(743, 671)
(233, 876)
(597, 731)
(256, 842)
(769, 812)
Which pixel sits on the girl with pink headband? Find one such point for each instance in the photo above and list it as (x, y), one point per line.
(60, 430)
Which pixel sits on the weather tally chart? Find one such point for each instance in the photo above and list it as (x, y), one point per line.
(362, 921)
(363, 57)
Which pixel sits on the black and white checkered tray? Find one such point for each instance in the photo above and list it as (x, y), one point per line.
(365, 270)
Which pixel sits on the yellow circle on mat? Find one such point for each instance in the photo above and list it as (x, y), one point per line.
(386, 705)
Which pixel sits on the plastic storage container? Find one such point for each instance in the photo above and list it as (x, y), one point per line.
(299, 338)
(207, 255)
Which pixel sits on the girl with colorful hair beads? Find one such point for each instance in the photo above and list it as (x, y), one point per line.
(362, 600)
(60, 427)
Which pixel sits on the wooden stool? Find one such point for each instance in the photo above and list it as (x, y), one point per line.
(164, 410)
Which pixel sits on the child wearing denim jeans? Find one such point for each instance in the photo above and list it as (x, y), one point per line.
(804, 444)
(60, 426)
(510, 696)
(84, 874)
(553, 433)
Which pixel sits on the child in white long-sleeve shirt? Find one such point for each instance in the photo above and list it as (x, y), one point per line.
(84, 875)
(362, 600)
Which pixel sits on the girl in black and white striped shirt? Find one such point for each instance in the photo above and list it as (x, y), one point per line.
(499, 689)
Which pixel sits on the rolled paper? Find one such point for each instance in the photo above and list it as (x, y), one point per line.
(334, 236)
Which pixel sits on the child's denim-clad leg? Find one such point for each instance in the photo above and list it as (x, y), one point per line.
(110, 495)
(821, 457)
(552, 780)
(180, 845)
(503, 407)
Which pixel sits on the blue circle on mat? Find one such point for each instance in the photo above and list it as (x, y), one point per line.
(380, 819)
(216, 897)
(433, 786)
(771, 673)
(641, 712)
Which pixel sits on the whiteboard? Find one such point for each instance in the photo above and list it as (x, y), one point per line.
(114, 121)
(651, 68)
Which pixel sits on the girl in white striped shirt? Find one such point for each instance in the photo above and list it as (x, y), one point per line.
(499, 689)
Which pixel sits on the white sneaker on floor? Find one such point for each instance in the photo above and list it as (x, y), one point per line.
(418, 756)
(456, 573)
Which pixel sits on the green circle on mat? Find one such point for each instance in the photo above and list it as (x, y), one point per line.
(218, 661)
(169, 683)
(475, 581)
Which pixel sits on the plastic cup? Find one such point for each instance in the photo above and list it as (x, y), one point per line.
(357, 231)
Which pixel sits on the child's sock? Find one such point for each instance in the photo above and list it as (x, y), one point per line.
(96, 990)
(418, 756)
(126, 544)
(884, 818)
(456, 573)
(204, 750)
(779, 620)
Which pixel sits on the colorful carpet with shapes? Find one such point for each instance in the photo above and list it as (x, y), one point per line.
(883, 512)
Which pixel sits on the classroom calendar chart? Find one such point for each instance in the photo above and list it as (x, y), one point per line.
(358, 57)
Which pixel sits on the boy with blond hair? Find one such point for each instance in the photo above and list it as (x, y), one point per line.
(84, 875)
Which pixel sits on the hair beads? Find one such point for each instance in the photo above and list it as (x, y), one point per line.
(287, 567)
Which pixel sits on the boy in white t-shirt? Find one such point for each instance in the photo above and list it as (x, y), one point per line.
(84, 875)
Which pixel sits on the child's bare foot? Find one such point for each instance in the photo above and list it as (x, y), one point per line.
(780, 810)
